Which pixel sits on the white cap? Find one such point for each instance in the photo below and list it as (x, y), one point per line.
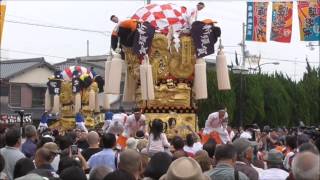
(246, 135)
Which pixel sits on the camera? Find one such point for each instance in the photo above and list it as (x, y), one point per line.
(74, 149)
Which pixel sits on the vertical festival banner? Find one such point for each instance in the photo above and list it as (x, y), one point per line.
(257, 21)
(281, 26)
(309, 20)
(2, 13)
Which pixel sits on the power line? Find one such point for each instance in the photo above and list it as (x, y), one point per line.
(276, 59)
(33, 53)
(57, 27)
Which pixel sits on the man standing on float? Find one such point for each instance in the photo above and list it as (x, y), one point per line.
(134, 123)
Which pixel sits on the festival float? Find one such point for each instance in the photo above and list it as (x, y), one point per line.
(163, 51)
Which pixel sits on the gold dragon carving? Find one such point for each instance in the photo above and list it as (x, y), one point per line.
(166, 62)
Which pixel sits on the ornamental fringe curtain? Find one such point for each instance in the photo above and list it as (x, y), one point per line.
(47, 103)
(106, 104)
(222, 72)
(200, 80)
(129, 89)
(77, 103)
(146, 80)
(113, 73)
(96, 106)
(92, 99)
(56, 103)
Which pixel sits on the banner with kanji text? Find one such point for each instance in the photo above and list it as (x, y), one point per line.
(257, 21)
(2, 13)
(281, 26)
(309, 20)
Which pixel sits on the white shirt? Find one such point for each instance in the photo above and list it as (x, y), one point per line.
(273, 174)
(286, 161)
(197, 146)
(159, 144)
(132, 125)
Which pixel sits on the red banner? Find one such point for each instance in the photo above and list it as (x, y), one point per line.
(281, 27)
(257, 21)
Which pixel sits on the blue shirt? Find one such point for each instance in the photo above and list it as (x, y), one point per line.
(28, 148)
(106, 157)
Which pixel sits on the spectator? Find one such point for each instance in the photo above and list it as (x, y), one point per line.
(291, 145)
(43, 140)
(184, 169)
(144, 163)
(132, 143)
(275, 167)
(210, 147)
(139, 135)
(67, 162)
(179, 154)
(244, 149)
(142, 144)
(2, 164)
(157, 140)
(93, 141)
(107, 156)
(177, 143)
(302, 138)
(99, 173)
(308, 147)
(42, 160)
(23, 167)
(119, 175)
(204, 160)
(32, 176)
(82, 140)
(158, 165)
(225, 156)
(305, 166)
(130, 161)
(29, 147)
(193, 143)
(55, 153)
(11, 152)
(73, 173)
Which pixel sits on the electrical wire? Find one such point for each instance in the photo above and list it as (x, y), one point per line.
(32, 53)
(277, 59)
(57, 27)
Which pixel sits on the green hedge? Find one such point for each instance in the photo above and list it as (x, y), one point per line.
(275, 99)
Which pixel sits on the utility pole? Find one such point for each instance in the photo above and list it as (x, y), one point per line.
(87, 47)
(243, 49)
(243, 45)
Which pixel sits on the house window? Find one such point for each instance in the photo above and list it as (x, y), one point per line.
(4, 88)
(15, 95)
(38, 96)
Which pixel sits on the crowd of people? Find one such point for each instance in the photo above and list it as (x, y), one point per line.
(123, 149)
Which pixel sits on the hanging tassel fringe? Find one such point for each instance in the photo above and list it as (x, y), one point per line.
(222, 71)
(113, 74)
(77, 104)
(47, 103)
(56, 104)
(147, 88)
(129, 89)
(200, 80)
(92, 100)
(96, 106)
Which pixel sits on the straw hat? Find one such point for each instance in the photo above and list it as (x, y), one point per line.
(52, 147)
(184, 169)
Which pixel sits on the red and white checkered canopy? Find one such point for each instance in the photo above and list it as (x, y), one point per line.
(163, 16)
